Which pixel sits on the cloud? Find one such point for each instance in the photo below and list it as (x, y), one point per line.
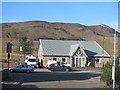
(10, 21)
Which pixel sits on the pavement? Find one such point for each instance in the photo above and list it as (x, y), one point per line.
(43, 78)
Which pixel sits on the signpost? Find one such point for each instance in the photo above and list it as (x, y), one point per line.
(9, 50)
(20, 54)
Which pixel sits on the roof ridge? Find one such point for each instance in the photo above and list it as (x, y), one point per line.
(65, 40)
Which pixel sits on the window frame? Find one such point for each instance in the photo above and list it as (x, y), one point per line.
(64, 59)
(55, 59)
(98, 60)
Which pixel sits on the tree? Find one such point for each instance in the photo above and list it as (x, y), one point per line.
(26, 46)
(107, 73)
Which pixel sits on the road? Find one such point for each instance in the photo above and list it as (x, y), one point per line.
(43, 78)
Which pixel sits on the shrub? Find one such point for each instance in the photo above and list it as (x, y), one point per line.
(107, 73)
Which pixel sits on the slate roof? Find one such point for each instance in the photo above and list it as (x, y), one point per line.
(68, 48)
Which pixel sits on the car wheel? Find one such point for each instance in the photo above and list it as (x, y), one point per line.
(52, 69)
(28, 71)
(67, 70)
(11, 70)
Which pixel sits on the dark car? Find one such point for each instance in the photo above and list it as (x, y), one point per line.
(22, 68)
(59, 67)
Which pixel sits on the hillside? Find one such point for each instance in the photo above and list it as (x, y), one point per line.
(35, 30)
(42, 29)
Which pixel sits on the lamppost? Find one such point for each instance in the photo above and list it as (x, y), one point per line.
(113, 68)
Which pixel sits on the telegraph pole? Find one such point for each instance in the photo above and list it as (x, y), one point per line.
(113, 70)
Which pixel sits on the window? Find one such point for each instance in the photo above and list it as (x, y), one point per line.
(55, 59)
(58, 64)
(18, 67)
(89, 60)
(97, 60)
(22, 66)
(63, 59)
(31, 60)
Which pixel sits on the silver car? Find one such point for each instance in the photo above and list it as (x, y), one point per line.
(59, 67)
(22, 68)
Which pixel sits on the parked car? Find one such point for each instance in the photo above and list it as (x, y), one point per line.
(22, 68)
(59, 67)
(31, 60)
(64, 63)
(51, 62)
(54, 62)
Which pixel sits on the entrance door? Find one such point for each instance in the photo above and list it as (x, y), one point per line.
(77, 61)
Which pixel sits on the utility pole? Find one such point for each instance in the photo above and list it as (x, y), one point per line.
(113, 70)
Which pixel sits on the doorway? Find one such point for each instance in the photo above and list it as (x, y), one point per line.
(78, 61)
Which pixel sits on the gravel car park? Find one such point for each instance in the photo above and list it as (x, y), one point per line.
(43, 78)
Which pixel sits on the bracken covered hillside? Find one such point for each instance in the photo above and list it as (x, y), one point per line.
(35, 30)
(41, 29)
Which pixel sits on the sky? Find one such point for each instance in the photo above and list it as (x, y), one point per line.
(86, 13)
(60, 0)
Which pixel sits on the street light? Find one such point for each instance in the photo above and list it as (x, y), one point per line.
(113, 68)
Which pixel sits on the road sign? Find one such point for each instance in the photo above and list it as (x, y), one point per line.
(20, 54)
(9, 47)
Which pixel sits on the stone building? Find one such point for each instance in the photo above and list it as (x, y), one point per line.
(74, 52)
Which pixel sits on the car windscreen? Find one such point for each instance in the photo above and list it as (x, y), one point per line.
(31, 60)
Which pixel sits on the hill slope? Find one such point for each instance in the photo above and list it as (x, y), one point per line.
(35, 30)
(42, 29)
